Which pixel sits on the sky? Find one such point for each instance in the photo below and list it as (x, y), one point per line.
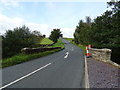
(44, 16)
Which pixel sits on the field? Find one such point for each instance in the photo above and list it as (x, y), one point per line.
(46, 41)
(59, 44)
(69, 39)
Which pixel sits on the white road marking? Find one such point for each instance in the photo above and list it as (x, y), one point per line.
(67, 53)
(25, 76)
(86, 75)
(72, 49)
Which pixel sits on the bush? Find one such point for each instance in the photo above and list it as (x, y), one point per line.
(20, 58)
(14, 40)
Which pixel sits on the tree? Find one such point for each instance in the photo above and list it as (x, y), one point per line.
(55, 34)
(14, 40)
(37, 36)
(105, 29)
(88, 20)
(81, 32)
(115, 40)
(44, 36)
(103, 32)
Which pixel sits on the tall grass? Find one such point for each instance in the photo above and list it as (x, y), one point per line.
(20, 58)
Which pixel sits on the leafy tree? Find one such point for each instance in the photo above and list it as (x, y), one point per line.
(115, 40)
(81, 32)
(55, 34)
(37, 36)
(100, 32)
(88, 20)
(103, 32)
(44, 36)
(14, 40)
(105, 29)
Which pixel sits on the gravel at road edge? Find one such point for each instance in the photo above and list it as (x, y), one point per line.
(102, 75)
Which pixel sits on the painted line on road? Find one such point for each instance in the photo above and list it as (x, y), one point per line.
(25, 76)
(72, 49)
(66, 56)
(86, 75)
(67, 53)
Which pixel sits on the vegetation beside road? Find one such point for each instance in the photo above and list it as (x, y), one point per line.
(69, 39)
(20, 58)
(55, 34)
(59, 44)
(46, 41)
(103, 31)
(21, 37)
(79, 45)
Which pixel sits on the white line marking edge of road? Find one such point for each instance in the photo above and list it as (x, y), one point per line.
(86, 75)
(25, 76)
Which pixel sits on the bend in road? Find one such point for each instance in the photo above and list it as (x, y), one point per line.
(62, 73)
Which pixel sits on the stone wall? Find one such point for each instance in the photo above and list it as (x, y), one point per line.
(101, 54)
(37, 50)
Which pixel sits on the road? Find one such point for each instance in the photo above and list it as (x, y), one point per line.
(64, 69)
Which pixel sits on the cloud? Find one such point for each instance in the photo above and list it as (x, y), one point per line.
(43, 28)
(8, 3)
(10, 23)
(68, 32)
(50, 5)
(61, 0)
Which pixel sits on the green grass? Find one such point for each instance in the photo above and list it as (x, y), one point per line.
(81, 46)
(69, 39)
(59, 44)
(20, 58)
(46, 41)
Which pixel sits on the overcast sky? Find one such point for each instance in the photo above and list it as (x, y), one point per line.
(45, 16)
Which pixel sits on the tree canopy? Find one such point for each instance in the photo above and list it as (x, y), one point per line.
(55, 34)
(81, 32)
(104, 31)
(14, 40)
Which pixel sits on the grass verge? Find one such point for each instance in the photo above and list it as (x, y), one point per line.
(20, 58)
(79, 45)
(59, 44)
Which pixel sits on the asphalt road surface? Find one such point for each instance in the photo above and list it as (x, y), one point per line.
(64, 69)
